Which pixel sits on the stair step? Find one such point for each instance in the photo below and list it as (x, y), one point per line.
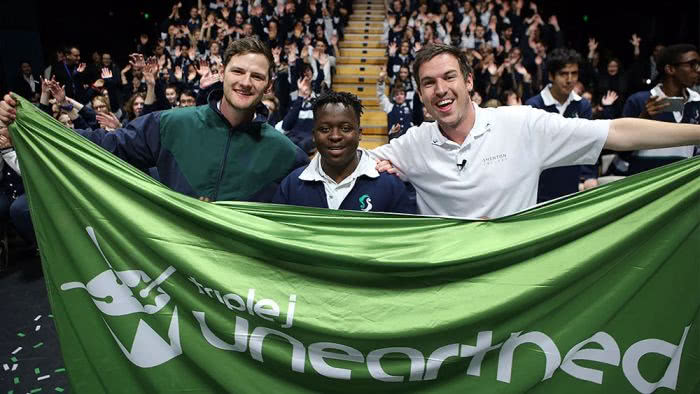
(365, 17)
(364, 89)
(367, 6)
(351, 69)
(364, 30)
(355, 79)
(377, 60)
(373, 141)
(363, 37)
(374, 117)
(361, 44)
(364, 52)
(363, 24)
(374, 130)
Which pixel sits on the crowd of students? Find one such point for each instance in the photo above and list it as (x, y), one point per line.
(515, 55)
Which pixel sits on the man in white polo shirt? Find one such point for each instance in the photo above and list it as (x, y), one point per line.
(478, 162)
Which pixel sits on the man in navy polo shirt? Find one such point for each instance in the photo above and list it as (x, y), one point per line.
(678, 66)
(559, 97)
(341, 176)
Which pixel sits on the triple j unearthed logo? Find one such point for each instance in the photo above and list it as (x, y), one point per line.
(114, 293)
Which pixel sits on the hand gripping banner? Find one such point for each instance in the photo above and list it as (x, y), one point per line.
(154, 291)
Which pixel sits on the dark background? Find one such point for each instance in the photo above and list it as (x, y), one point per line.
(32, 30)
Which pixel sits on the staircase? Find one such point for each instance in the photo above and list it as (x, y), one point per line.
(362, 52)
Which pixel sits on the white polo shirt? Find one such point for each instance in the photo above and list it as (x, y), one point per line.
(336, 192)
(503, 156)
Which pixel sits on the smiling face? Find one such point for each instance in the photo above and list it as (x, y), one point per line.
(444, 90)
(245, 81)
(337, 135)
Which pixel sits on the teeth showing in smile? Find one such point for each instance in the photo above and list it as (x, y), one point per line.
(444, 103)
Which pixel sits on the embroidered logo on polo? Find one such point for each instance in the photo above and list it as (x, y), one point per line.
(499, 158)
(366, 203)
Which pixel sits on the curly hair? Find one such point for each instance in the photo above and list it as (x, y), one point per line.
(349, 100)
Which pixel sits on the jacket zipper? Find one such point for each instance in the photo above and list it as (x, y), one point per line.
(223, 164)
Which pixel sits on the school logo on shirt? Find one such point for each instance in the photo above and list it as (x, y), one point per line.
(365, 203)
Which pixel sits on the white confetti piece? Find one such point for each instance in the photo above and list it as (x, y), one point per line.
(43, 377)
(38, 327)
(17, 350)
(14, 367)
(5, 367)
(37, 317)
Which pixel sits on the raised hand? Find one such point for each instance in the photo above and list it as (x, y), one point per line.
(136, 61)
(202, 68)
(126, 69)
(334, 39)
(106, 73)
(395, 128)
(178, 51)
(209, 80)
(107, 121)
(635, 40)
(150, 71)
(592, 45)
(609, 98)
(382, 73)
(58, 92)
(392, 49)
(178, 73)
(81, 67)
(304, 86)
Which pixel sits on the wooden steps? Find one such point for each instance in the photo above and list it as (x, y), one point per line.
(362, 52)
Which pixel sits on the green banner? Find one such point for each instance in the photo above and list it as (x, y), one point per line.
(153, 291)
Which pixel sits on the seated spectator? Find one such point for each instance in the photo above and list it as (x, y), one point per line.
(298, 123)
(398, 112)
(559, 97)
(133, 107)
(187, 99)
(26, 85)
(341, 176)
(679, 68)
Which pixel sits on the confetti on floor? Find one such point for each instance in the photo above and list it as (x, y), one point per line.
(13, 359)
(38, 327)
(36, 390)
(60, 370)
(38, 345)
(5, 367)
(59, 389)
(43, 377)
(20, 334)
(16, 380)
(51, 316)
(14, 367)
(37, 371)
(37, 318)
(17, 350)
